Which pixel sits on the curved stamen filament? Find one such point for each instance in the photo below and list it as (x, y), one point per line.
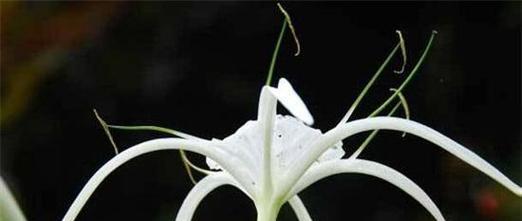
(228, 162)
(292, 29)
(157, 129)
(286, 21)
(403, 50)
(372, 135)
(186, 164)
(368, 86)
(408, 79)
(404, 104)
(105, 127)
(192, 165)
(275, 53)
(186, 161)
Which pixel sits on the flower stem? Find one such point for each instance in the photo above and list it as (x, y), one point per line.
(267, 211)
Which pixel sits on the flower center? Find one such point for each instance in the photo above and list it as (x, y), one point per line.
(291, 137)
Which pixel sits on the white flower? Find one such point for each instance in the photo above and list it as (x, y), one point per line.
(290, 137)
(274, 157)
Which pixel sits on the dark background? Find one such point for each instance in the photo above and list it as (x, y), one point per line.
(199, 67)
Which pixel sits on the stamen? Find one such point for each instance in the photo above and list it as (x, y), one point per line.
(186, 161)
(157, 129)
(292, 29)
(405, 106)
(193, 166)
(368, 85)
(274, 55)
(105, 127)
(397, 92)
(187, 166)
(403, 50)
(286, 21)
(372, 135)
(408, 79)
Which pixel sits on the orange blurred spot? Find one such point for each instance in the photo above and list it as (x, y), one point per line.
(487, 204)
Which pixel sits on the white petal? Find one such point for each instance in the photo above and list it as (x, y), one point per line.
(334, 153)
(392, 123)
(375, 169)
(299, 208)
(9, 208)
(199, 191)
(246, 144)
(266, 117)
(229, 163)
(286, 94)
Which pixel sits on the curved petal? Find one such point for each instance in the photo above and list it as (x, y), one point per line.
(199, 191)
(299, 208)
(230, 163)
(9, 208)
(371, 168)
(286, 94)
(391, 123)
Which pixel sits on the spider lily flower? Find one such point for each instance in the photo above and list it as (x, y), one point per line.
(275, 157)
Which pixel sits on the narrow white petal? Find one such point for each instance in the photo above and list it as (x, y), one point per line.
(299, 208)
(375, 169)
(286, 94)
(266, 118)
(200, 191)
(9, 209)
(229, 163)
(391, 123)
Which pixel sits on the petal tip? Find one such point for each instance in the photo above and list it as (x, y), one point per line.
(287, 96)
